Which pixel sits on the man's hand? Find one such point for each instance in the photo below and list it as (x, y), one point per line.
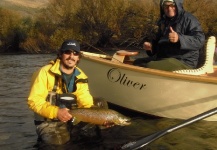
(63, 115)
(173, 36)
(147, 46)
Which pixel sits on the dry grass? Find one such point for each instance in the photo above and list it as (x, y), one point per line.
(26, 3)
(23, 7)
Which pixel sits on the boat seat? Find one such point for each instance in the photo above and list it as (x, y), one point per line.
(123, 55)
(208, 65)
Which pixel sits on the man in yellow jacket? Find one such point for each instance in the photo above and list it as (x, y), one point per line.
(49, 84)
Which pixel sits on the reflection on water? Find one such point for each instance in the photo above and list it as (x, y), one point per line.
(17, 130)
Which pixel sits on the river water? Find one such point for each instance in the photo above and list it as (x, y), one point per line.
(17, 130)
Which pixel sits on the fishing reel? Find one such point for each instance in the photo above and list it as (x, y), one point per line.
(65, 100)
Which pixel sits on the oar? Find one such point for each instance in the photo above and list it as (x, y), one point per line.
(145, 140)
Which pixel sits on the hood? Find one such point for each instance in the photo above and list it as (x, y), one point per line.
(179, 4)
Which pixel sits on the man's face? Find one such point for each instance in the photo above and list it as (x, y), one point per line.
(69, 59)
(169, 9)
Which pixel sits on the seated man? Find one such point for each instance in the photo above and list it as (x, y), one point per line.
(178, 41)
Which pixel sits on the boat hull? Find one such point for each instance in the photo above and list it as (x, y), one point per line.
(150, 91)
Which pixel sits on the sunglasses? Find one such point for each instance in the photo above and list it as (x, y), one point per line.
(170, 5)
(68, 52)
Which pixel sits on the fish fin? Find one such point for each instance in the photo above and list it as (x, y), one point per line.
(88, 126)
(75, 121)
(102, 127)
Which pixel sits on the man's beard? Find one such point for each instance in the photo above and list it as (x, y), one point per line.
(67, 67)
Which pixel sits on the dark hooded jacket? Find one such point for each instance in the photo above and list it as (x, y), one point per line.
(191, 37)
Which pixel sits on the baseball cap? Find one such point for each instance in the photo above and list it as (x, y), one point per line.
(70, 45)
(167, 1)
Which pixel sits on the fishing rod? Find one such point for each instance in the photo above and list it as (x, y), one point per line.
(143, 141)
(112, 57)
(96, 48)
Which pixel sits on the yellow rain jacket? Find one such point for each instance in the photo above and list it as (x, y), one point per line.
(43, 81)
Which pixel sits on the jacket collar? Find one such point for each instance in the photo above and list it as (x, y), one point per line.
(55, 67)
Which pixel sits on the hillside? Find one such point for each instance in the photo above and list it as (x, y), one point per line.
(24, 7)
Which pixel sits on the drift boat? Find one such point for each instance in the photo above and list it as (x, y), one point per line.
(180, 94)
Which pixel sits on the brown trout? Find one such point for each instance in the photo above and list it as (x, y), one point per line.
(99, 116)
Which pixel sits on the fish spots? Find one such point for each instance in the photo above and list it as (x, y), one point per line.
(99, 116)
